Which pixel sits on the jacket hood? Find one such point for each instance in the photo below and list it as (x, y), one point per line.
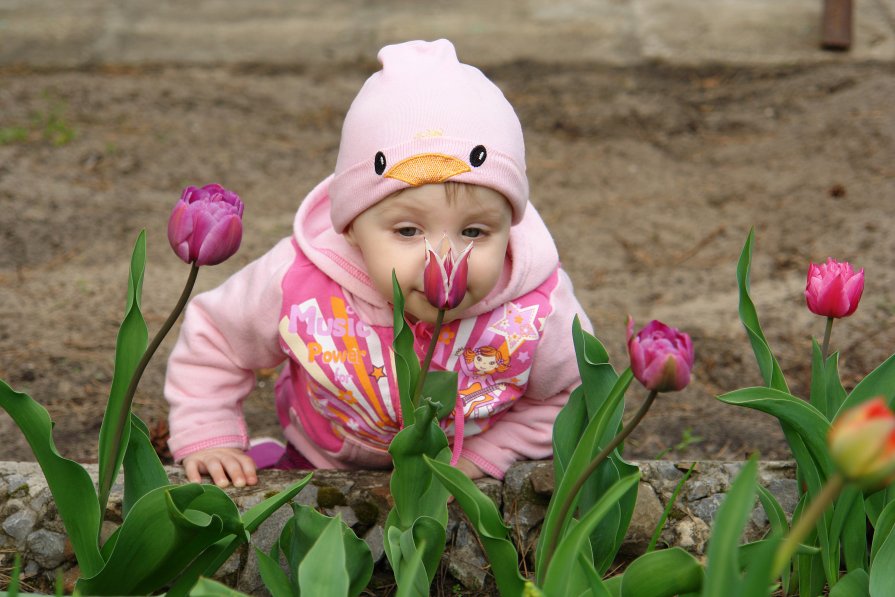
(531, 258)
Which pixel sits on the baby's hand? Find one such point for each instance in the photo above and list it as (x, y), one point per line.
(222, 465)
(471, 470)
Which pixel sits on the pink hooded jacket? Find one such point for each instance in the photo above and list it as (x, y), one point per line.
(337, 402)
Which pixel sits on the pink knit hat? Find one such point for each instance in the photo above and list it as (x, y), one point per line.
(426, 118)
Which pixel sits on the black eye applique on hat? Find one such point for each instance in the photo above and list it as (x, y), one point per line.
(477, 156)
(379, 162)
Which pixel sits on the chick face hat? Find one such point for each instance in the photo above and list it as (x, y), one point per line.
(426, 118)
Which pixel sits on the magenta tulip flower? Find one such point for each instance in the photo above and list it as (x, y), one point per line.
(205, 227)
(833, 288)
(661, 356)
(444, 279)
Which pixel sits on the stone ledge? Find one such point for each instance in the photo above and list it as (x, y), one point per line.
(30, 525)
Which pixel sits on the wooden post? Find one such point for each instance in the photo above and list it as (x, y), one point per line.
(836, 25)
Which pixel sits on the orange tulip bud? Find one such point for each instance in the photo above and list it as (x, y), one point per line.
(862, 444)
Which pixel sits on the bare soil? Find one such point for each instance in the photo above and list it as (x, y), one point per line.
(649, 178)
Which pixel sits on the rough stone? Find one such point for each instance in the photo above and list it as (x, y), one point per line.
(647, 513)
(691, 534)
(466, 561)
(521, 504)
(374, 539)
(47, 548)
(16, 484)
(347, 514)
(20, 524)
(706, 507)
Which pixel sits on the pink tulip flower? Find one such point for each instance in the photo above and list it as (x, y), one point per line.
(833, 288)
(205, 227)
(661, 356)
(862, 444)
(444, 279)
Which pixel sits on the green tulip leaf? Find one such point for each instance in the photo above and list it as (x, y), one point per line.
(587, 448)
(164, 531)
(779, 525)
(759, 568)
(849, 526)
(807, 421)
(143, 469)
(133, 337)
(413, 486)
(560, 574)
(275, 579)
(818, 392)
(567, 430)
(882, 573)
(590, 578)
(723, 568)
(441, 388)
(882, 530)
(854, 584)
(206, 587)
(69, 482)
(597, 380)
(423, 541)
(303, 531)
(835, 392)
(662, 573)
(413, 581)
(214, 557)
(767, 363)
(876, 502)
(812, 568)
(323, 571)
(879, 382)
(407, 365)
(488, 524)
(257, 514)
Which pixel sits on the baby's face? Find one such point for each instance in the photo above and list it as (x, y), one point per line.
(390, 236)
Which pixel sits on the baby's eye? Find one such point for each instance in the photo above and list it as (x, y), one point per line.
(407, 231)
(473, 232)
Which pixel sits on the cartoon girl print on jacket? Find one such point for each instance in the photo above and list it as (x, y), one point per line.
(481, 363)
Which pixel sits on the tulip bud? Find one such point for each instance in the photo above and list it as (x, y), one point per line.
(833, 288)
(205, 227)
(444, 278)
(862, 444)
(661, 356)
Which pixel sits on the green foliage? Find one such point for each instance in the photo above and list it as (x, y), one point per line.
(133, 336)
(842, 528)
(663, 573)
(407, 365)
(323, 557)
(488, 524)
(170, 534)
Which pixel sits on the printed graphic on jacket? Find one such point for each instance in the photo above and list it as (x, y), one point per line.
(342, 369)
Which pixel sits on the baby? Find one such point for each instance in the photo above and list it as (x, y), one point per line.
(430, 149)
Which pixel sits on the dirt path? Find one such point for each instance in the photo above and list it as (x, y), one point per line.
(649, 179)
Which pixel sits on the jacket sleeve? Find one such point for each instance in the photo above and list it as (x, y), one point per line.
(226, 334)
(525, 432)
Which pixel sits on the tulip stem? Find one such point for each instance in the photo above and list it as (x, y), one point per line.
(430, 352)
(125, 412)
(827, 332)
(591, 467)
(806, 522)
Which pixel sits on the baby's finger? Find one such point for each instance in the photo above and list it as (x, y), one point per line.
(216, 471)
(192, 471)
(248, 467)
(233, 466)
